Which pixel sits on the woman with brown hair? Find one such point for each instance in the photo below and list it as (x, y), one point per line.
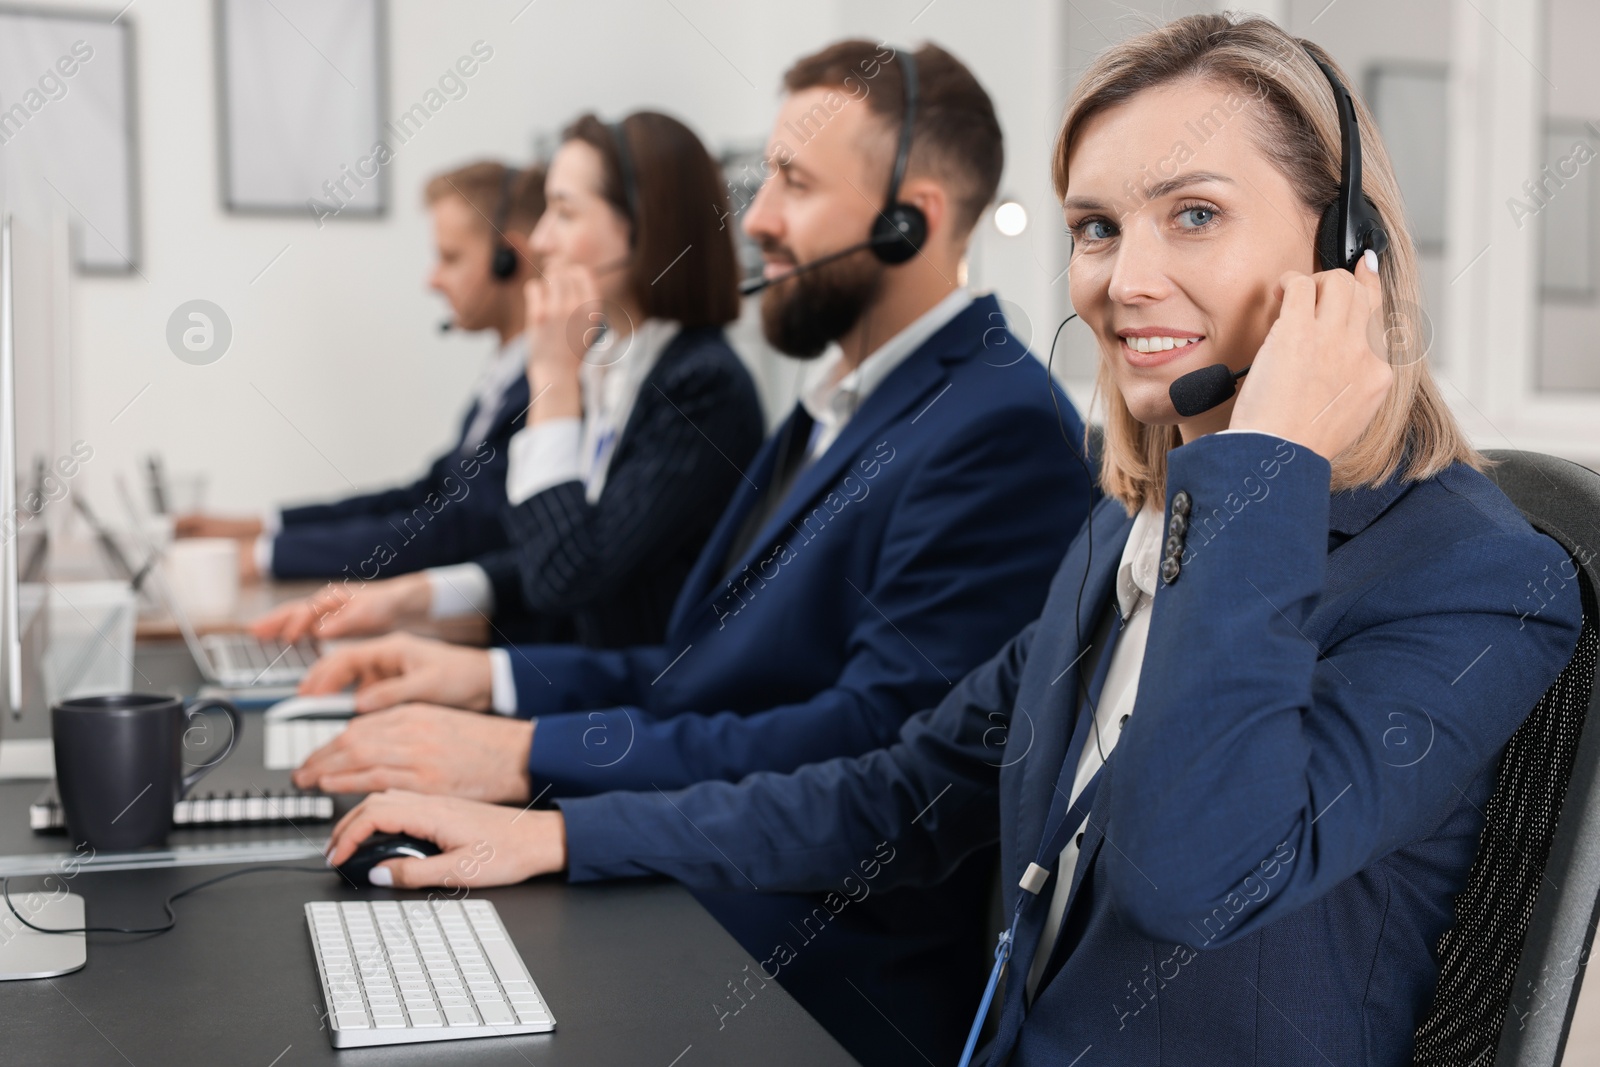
(642, 416)
(1237, 768)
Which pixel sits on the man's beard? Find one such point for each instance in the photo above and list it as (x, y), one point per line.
(800, 315)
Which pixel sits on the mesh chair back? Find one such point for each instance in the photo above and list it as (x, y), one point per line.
(1510, 966)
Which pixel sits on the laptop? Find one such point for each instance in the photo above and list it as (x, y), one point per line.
(231, 660)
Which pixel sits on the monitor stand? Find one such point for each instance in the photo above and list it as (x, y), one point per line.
(27, 758)
(26, 953)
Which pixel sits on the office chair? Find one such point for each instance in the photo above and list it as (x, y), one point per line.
(1512, 965)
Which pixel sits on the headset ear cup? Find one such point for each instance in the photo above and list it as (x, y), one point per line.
(504, 264)
(899, 233)
(1376, 237)
(1329, 240)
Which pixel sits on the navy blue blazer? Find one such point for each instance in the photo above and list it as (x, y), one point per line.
(901, 557)
(449, 515)
(1280, 833)
(614, 567)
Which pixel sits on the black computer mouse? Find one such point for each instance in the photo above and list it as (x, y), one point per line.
(379, 847)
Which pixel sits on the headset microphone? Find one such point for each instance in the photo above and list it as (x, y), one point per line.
(1204, 389)
(447, 325)
(900, 229)
(1348, 227)
(756, 285)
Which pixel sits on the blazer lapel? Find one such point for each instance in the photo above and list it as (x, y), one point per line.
(701, 587)
(912, 382)
(513, 406)
(1056, 716)
(1093, 835)
(466, 425)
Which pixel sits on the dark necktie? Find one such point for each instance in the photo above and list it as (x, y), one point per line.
(791, 460)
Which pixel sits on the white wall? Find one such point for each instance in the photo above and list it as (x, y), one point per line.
(336, 375)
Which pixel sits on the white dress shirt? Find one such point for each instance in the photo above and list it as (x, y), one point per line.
(488, 392)
(554, 451)
(832, 402)
(1136, 590)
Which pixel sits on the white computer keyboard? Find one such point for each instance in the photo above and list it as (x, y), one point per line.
(241, 661)
(395, 972)
(289, 741)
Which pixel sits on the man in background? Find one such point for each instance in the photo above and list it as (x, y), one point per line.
(482, 215)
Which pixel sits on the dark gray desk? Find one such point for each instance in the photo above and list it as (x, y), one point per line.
(634, 973)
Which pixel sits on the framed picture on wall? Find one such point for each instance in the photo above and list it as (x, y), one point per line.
(67, 123)
(301, 98)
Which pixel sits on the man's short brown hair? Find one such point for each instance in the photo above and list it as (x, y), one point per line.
(482, 184)
(956, 137)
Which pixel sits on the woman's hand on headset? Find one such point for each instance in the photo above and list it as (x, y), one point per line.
(564, 316)
(1322, 373)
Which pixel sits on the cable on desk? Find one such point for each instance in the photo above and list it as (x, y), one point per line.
(172, 918)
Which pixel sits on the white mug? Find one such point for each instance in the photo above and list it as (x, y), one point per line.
(203, 573)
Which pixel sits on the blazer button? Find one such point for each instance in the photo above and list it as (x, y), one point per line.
(1178, 524)
(1174, 546)
(1169, 570)
(1180, 503)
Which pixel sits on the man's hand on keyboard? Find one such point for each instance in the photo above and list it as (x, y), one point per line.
(403, 667)
(483, 844)
(375, 608)
(427, 749)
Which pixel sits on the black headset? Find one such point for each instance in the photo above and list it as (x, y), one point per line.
(1351, 224)
(503, 265)
(1348, 227)
(901, 229)
(630, 187)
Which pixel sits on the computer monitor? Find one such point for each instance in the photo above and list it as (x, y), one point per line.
(24, 717)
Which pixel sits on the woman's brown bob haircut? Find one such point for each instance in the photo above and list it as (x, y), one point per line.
(682, 204)
(1296, 126)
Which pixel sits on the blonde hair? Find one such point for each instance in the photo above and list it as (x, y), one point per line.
(1298, 130)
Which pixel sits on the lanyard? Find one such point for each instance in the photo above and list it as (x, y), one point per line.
(603, 443)
(1062, 824)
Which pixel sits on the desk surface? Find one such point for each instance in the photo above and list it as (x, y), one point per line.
(635, 973)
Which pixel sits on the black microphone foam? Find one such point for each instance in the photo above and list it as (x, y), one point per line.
(1201, 390)
(447, 325)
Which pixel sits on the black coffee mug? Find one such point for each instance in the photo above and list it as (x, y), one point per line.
(120, 768)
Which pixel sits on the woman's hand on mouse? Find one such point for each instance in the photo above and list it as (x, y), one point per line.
(1321, 374)
(481, 844)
